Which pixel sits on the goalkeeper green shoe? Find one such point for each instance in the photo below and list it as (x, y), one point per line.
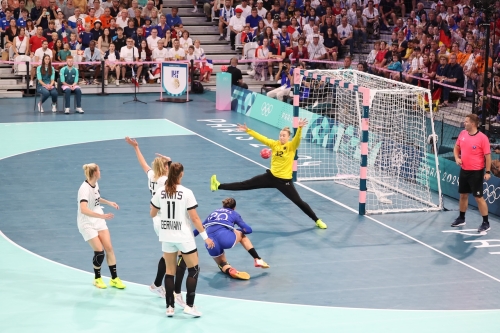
(214, 184)
(320, 224)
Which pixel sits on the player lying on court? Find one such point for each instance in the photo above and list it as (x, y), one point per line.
(157, 176)
(220, 227)
(280, 174)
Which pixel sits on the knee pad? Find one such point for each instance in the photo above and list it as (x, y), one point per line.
(193, 272)
(98, 258)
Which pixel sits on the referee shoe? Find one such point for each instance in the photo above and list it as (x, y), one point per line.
(485, 226)
(460, 221)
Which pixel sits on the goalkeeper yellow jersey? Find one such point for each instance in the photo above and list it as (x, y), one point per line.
(282, 155)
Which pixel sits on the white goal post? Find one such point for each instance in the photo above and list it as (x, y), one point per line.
(368, 133)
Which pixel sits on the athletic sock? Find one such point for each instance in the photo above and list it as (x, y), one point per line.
(462, 215)
(169, 290)
(485, 219)
(97, 273)
(160, 274)
(191, 283)
(112, 269)
(179, 274)
(253, 253)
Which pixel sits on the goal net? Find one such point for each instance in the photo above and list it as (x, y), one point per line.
(368, 133)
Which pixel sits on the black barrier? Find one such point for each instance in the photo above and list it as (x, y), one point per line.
(28, 77)
(103, 93)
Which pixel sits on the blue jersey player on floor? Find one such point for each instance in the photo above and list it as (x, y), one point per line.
(226, 228)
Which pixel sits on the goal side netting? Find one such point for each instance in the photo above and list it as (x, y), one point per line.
(368, 133)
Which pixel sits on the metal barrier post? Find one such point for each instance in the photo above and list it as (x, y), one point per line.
(27, 93)
(102, 93)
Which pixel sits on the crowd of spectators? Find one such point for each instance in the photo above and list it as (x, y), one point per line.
(94, 31)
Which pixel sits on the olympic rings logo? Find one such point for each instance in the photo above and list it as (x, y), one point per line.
(266, 109)
(492, 193)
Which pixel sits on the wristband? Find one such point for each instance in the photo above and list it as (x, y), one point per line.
(488, 172)
(204, 235)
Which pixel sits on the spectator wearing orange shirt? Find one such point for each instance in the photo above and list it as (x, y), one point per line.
(106, 18)
(91, 18)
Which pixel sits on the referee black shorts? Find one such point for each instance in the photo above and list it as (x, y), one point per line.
(471, 181)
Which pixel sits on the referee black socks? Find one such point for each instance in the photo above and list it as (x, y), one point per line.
(485, 219)
(462, 215)
(253, 253)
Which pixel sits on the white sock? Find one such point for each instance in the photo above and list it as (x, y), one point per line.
(222, 34)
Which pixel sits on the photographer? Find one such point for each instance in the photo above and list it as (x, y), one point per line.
(286, 74)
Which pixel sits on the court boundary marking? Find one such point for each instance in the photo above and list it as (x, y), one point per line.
(248, 300)
(350, 209)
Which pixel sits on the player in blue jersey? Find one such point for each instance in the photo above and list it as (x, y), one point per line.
(220, 226)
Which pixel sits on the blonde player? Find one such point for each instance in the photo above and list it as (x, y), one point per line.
(92, 225)
(178, 206)
(157, 177)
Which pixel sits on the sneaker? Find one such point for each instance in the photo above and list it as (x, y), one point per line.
(79, 110)
(458, 222)
(220, 39)
(192, 311)
(235, 274)
(40, 107)
(485, 226)
(32, 83)
(54, 107)
(195, 10)
(320, 224)
(214, 184)
(117, 82)
(117, 283)
(158, 291)
(66, 110)
(170, 311)
(158, 81)
(99, 283)
(260, 263)
(179, 301)
(105, 82)
(144, 81)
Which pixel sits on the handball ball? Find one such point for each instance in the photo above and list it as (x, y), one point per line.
(223, 68)
(265, 153)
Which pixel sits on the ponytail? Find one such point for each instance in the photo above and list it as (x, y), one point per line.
(89, 170)
(229, 203)
(160, 166)
(174, 178)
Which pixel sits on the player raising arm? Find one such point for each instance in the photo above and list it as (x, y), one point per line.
(92, 225)
(280, 175)
(178, 206)
(220, 226)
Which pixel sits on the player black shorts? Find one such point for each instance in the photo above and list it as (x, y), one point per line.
(471, 181)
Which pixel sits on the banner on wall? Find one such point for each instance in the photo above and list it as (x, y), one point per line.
(174, 79)
(323, 130)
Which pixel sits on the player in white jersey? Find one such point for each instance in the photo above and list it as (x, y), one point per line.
(157, 177)
(178, 207)
(92, 225)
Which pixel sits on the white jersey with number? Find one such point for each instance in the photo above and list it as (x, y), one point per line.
(175, 224)
(154, 185)
(92, 196)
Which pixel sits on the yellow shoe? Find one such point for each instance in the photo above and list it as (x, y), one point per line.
(320, 224)
(99, 283)
(117, 283)
(260, 263)
(214, 184)
(238, 275)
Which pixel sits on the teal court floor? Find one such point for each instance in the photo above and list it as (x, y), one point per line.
(383, 273)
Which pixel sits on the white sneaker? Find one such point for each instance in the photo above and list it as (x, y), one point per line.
(79, 110)
(117, 82)
(192, 311)
(195, 10)
(144, 81)
(263, 79)
(170, 311)
(32, 83)
(180, 302)
(54, 107)
(158, 291)
(66, 110)
(40, 107)
(158, 81)
(105, 82)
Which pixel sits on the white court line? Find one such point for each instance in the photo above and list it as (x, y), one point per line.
(351, 209)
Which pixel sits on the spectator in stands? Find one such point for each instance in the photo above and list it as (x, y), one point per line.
(46, 85)
(268, 19)
(120, 40)
(236, 76)
(129, 54)
(129, 30)
(300, 51)
(91, 54)
(168, 41)
(316, 50)
(177, 52)
(122, 20)
(110, 57)
(146, 11)
(85, 37)
(73, 42)
(236, 24)
(331, 45)
(246, 10)
(72, 20)
(372, 20)
(160, 54)
(226, 13)
(98, 9)
(261, 11)
(114, 8)
(285, 75)
(285, 40)
(173, 19)
(104, 41)
(47, 33)
(453, 75)
(207, 9)
(370, 59)
(153, 39)
(185, 41)
(69, 9)
(97, 31)
(358, 23)
(20, 44)
(69, 81)
(38, 48)
(277, 52)
(106, 18)
(262, 67)
(162, 27)
(253, 19)
(145, 56)
(345, 33)
(138, 37)
(91, 18)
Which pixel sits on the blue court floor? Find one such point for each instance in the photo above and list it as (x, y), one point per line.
(383, 273)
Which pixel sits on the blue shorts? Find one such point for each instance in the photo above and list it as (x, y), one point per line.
(223, 239)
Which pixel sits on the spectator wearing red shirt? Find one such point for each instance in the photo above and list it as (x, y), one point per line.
(37, 40)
